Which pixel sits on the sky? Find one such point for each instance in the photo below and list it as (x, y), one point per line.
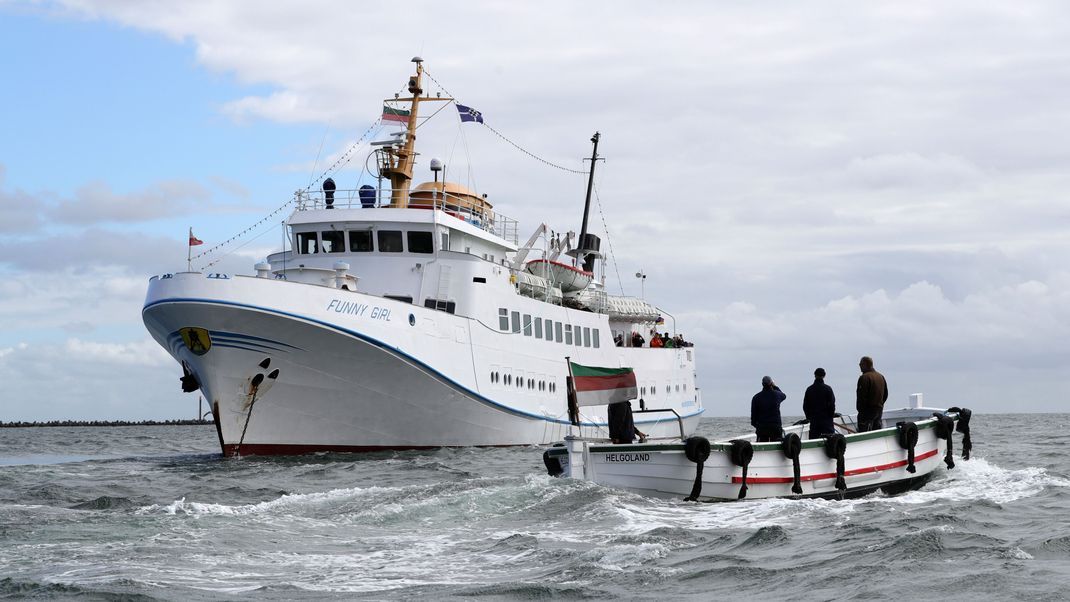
(802, 183)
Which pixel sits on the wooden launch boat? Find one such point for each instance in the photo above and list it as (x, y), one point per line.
(899, 457)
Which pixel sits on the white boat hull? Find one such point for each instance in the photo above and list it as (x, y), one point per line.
(407, 378)
(873, 460)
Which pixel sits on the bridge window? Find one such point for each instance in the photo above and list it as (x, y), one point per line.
(306, 243)
(360, 241)
(557, 331)
(527, 325)
(516, 320)
(390, 241)
(586, 336)
(333, 241)
(503, 319)
(579, 338)
(595, 333)
(568, 334)
(538, 328)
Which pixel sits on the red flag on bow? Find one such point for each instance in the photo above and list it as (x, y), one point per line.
(193, 240)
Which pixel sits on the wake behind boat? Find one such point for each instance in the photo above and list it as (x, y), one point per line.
(407, 317)
(847, 464)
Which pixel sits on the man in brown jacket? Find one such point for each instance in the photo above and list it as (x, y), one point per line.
(872, 392)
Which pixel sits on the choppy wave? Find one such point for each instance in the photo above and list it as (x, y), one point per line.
(490, 524)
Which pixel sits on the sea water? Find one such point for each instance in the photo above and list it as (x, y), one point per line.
(157, 513)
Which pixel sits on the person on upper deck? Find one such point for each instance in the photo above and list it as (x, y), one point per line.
(765, 411)
(637, 339)
(656, 343)
(871, 394)
(667, 341)
(618, 340)
(819, 405)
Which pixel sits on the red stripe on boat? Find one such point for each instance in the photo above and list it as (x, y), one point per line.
(832, 475)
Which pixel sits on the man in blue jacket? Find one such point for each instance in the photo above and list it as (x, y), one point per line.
(765, 411)
(819, 405)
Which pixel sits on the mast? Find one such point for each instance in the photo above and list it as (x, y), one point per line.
(396, 163)
(590, 185)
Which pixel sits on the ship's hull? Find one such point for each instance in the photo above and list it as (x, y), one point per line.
(297, 375)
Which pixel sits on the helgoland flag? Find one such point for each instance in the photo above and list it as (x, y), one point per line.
(469, 114)
(193, 240)
(399, 115)
(601, 386)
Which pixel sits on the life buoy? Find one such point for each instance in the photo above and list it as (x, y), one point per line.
(907, 435)
(945, 425)
(963, 427)
(697, 449)
(792, 446)
(741, 453)
(553, 465)
(835, 448)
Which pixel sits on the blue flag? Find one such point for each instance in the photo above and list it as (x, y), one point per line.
(469, 114)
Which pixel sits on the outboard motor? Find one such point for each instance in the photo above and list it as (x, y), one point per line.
(367, 196)
(328, 192)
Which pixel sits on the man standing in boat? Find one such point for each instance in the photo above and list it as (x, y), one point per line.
(765, 411)
(819, 406)
(872, 392)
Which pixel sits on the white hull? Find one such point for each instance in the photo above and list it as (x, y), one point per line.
(873, 460)
(360, 372)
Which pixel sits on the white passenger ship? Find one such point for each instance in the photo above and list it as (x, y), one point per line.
(408, 317)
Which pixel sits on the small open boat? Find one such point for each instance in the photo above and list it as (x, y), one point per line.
(894, 459)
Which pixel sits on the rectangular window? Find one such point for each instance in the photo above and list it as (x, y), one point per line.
(568, 334)
(445, 241)
(527, 325)
(595, 333)
(360, 241)
(421, 242)
(306, 243)
(516, 321)
(503, 319)
(538, 328)
(579, 339)
(333, 241)
(586, 336)
(390, 241)
(557, 331)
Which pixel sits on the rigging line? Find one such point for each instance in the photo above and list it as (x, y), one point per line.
(502, 136)
(318, 154)
(346, 156)
(432, 115)
(235, 249)
(242, 233)
(609, 241)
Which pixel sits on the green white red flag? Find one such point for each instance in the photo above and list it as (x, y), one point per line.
(399, 115)
(601, 386)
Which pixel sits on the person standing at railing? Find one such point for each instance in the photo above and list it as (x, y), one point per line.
(872, 392)
(765, 411)
(819, 406)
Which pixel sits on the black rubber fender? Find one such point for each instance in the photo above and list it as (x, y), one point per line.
(741, 452)
(835, 448)
(963, 427)
(945, 425)
(907, 435)
(697, 449)
(553, 465)
(792, 447)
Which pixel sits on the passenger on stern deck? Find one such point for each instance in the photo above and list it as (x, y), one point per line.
(819, 405)
(765, 411)
(871, 394)
(621, 425)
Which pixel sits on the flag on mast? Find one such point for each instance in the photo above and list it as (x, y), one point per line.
(469, 114)
(602, 386)
(398, 115)
(193, 240)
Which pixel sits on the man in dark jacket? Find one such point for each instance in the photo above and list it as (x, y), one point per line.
(765, 411)
(872, 392)
(819, 405)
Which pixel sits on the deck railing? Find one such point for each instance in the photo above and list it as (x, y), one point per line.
(459, 207)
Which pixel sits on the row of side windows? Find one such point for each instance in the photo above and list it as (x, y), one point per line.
(364, 241)
(513, 321)
(504, 378)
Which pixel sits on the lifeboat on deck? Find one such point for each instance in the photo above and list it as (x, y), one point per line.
(562, 275)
